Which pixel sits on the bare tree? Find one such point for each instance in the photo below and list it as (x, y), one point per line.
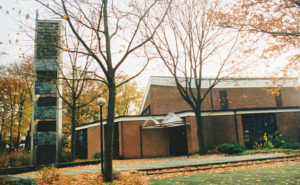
(75, 80)
(189, 43)
(110, 25)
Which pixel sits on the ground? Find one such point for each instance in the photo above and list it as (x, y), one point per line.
(287, 174)
(273, 170)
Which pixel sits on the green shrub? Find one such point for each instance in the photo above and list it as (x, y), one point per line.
(291, 145)
(231, 148)
(276, 139)
(66, 157)
(263, 142)
(25, 182)
(97, 155)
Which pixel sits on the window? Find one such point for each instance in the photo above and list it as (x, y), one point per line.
(46, 126)
(224, 100)
(146, 112)
(278, 99)
(46, 101)
(256, 125)
(46, 76)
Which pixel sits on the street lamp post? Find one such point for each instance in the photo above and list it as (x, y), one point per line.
(101, 102)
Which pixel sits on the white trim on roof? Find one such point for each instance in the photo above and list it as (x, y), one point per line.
(186, 114)
(225, 83)
(267, 111)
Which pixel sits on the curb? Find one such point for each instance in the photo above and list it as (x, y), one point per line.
(25, 169)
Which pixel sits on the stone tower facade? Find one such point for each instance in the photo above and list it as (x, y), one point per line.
(46, 123)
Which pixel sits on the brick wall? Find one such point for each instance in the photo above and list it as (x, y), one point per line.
(290, 96)
(240, 128)
(130, 141)
(164, 99)
(155, 142)
(217, 130)
(192, 135)
(249, 98)
(93, 140)
(288, 125)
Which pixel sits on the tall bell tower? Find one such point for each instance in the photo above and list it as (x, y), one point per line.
(46, 125)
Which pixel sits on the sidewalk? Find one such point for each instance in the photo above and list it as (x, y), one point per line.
(178, 162)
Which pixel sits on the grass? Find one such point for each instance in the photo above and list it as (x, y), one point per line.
(272, 150)
(274, 175)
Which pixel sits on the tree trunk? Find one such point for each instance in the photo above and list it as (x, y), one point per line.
(10, 136)
(200, 133)
(108, 134)
(27, 142)
(19, 124)
(73, 120)
(73, 135)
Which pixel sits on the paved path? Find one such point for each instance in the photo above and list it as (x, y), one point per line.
(180, 162)
(197, 161)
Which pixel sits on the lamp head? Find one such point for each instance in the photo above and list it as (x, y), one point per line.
(100, 101)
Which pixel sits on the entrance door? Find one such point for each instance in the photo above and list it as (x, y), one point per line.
(177, 141)
(255, 125)
(45, 154)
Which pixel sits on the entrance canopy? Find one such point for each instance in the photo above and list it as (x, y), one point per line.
(172, 120)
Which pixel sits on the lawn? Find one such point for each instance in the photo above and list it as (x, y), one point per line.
(271, 150)
(272, 175)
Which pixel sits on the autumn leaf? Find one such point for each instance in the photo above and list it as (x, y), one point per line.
(27, 16)
(66, 17)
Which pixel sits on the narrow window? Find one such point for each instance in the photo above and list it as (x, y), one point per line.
(147, 111)
(46, 101)
(278, 99)
(46, 126)
(224, 100)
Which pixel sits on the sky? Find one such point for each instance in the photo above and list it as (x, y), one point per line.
(15, 43)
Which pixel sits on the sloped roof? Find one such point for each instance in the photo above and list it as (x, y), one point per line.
(171, 120)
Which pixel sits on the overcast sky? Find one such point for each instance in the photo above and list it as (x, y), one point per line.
(14, 42)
